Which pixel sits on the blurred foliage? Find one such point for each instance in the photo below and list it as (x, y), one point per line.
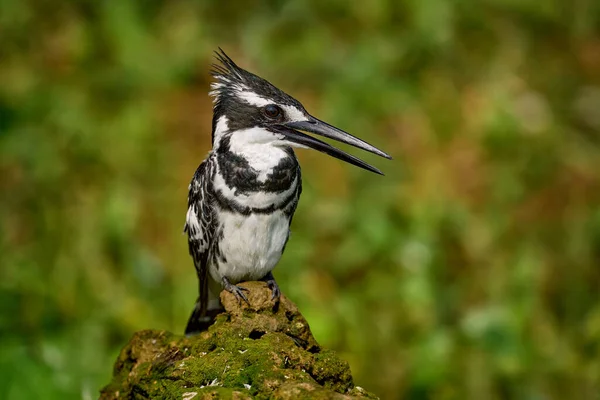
(472, 270)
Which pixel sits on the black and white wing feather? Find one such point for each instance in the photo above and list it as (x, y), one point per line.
(200, 227)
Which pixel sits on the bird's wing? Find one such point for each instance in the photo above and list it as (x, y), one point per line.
(291, 208)
(200, 226)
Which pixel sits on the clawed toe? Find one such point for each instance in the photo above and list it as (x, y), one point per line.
(237, 291)
(271, 284)
(275, 289)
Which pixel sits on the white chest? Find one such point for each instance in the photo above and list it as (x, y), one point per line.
(261, 158)
(251, 245)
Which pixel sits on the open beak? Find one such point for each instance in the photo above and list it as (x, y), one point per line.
(313, 125)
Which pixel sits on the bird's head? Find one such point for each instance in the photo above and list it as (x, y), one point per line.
(248, 106)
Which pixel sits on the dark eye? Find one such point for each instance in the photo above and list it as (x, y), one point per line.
(272, 111)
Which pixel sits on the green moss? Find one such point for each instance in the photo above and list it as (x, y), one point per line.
(257, 352)
(331, 371)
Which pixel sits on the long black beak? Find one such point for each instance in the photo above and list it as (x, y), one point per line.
(319, 127)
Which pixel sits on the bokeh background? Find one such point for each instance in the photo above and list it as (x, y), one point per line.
(471, 270)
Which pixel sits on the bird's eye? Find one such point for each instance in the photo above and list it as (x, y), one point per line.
(272, 111)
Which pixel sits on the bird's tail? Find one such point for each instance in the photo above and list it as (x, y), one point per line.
(203, 315)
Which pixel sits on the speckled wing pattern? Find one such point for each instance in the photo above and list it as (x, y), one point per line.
(200, 226)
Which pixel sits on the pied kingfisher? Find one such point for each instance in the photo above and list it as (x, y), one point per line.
(243, 196)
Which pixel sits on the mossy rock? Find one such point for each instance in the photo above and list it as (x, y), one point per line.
(264, 350)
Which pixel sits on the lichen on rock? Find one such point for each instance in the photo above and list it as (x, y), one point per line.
(264, 350)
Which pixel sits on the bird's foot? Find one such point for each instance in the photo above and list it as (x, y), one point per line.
(237, 291)
(271, 284)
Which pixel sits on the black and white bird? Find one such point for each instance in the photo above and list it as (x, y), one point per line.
(243, 196)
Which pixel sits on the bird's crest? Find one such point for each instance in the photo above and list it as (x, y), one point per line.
(233, 81)
(229, 77)
(227, 73)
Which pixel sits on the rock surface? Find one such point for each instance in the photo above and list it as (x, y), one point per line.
(261, 351)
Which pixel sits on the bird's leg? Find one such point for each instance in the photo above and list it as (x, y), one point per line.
(273, 286)
(237, 291)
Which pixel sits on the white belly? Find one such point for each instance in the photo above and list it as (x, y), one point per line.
(252, 245)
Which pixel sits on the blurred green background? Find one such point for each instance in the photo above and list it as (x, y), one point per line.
(471, 270)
